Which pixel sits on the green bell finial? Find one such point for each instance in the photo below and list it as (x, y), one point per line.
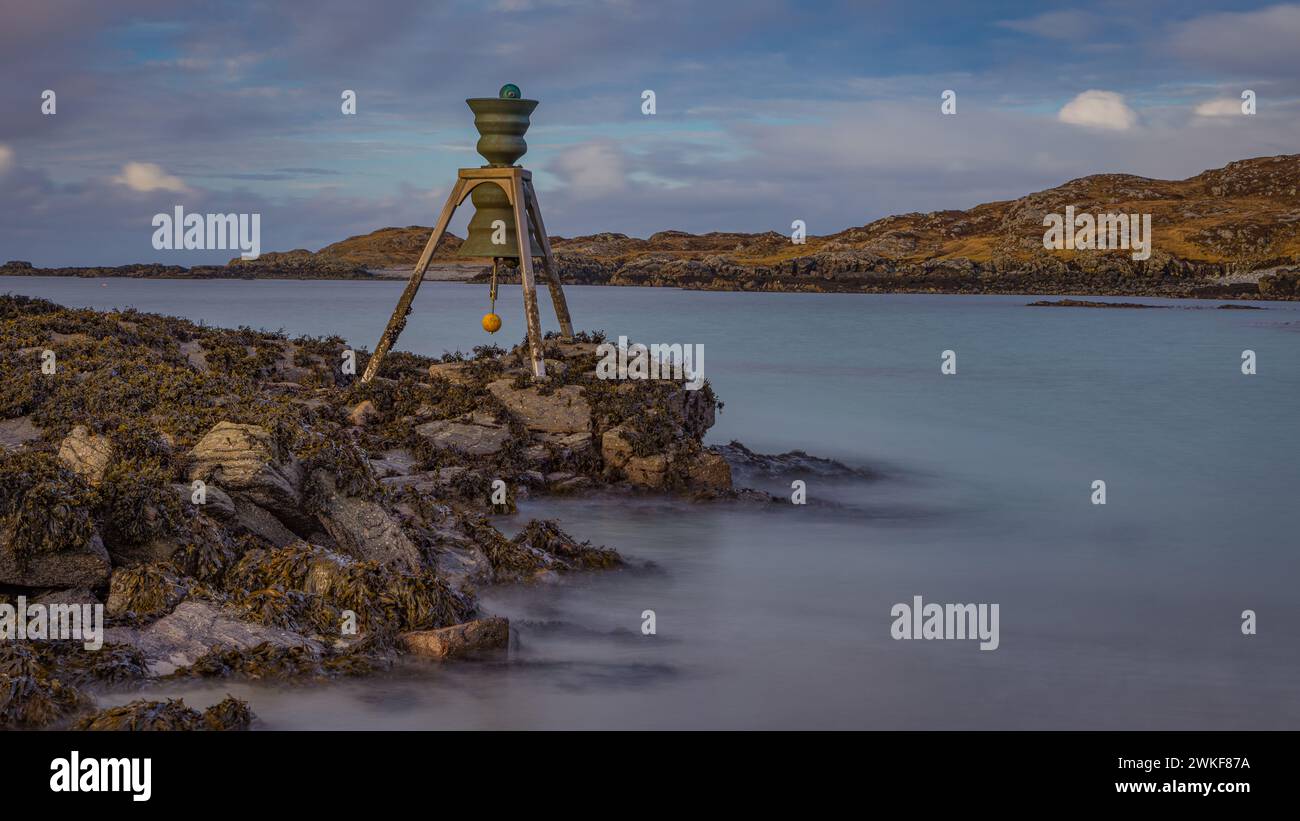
(509, 91)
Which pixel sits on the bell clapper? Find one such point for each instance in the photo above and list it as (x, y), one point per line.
(492, 322)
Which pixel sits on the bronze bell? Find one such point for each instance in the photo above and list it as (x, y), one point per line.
(501, 123)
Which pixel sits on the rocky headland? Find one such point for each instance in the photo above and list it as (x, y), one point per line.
(1231, 232)
(242, 507)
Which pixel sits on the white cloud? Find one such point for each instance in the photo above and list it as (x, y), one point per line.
(1225, 107)
(147, 176)
(591, 169)
(6, 158)
(1099, 109)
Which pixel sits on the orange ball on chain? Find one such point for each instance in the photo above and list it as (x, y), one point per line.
(491, 323)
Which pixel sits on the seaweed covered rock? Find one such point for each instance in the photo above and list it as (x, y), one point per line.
(87, 566)
(48, 536)
(145, 715)
(542, 547)
(39, 681)
(364, 413)
(193, 629)
(229, 714)
(145, 591)
(270, 661)
(311, 589)
(335, 516)
(476, 636)
(29, 701)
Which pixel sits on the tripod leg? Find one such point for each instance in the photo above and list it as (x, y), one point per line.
(552, 275)
(398, 320)
(526, 279)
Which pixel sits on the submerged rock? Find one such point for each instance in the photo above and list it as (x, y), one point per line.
(791, 463)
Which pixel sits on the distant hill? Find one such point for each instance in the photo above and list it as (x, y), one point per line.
(1231, 231)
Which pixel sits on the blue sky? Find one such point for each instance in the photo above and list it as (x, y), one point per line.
(767, 111)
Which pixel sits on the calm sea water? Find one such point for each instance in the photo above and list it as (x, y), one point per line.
(1126, 615)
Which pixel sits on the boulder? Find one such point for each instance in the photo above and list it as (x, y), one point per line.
(86, 454)
(562, 411)
(695, 411)
(614, 448)
(537, 456)
(575, 443)
(364, 413)
(572, 485)
(216, 502)
(88, 567)
(471, 439)
(647, 471)
(364, 529)
(254, 519)
(708, 470)
(242, 458)
(195, 627)
(76, 595)
(491, 633)
(396, 462)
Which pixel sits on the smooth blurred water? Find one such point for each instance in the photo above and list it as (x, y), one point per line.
(1125, 615)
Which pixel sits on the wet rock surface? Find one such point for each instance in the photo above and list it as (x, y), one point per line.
(478, 636)
(191, 630)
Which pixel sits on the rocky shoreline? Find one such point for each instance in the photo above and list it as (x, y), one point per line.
(1226, 233)
(241, 507)
(820, 273)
